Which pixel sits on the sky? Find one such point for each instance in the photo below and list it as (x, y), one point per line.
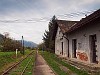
(30, 18)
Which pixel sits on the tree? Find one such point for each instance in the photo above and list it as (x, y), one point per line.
(48, 42)
(9, 44)
(40, 46)
(46, 39)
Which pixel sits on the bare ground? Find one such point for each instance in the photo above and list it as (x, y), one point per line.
(41, 67)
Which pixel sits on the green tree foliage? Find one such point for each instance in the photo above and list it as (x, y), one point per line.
(41, 46)
(48, 41)
(10, 45)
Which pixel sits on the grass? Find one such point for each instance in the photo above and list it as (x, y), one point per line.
(52, 58)
(9, 58)
(29, 69)
(22, 65)
(53, 63)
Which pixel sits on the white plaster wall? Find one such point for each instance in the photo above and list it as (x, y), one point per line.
(58, 45)
(82, 36)
(65, 47)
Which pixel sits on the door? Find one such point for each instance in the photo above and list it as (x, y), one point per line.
(62, 47)
(68, 48)
(93, 48)
(74, 47)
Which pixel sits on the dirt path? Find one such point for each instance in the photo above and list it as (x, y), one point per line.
(41, 67)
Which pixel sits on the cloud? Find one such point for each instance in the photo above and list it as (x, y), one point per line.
(8, 6)
(30, 31)
(30, 17)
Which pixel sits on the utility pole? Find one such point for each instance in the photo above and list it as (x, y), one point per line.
(23, 45)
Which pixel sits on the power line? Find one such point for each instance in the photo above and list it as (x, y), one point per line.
(76, 14)
(43, 19)
(22, 3)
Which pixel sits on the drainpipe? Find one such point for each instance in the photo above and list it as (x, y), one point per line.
(68, 43)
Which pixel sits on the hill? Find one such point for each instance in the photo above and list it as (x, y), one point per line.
(29, 44)
(26, 43)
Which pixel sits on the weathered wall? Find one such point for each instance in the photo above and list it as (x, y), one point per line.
(83, 44)
(57, 42)
(58, 45)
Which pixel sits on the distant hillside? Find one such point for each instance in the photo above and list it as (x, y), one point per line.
(26, 43)
(29, 44)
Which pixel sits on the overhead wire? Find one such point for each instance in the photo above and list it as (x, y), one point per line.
(28, 5)
(43, 19)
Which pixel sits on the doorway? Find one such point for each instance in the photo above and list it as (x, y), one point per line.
(74, 47)
(62, 47)
(93, 46)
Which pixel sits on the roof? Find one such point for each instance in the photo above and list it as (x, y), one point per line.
(65, 25)
(86, 20)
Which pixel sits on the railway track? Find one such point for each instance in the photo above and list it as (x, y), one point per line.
(21, 67)
(26, 67)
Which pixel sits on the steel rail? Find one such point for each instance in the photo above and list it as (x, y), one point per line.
(26, 66)
(13, 66)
